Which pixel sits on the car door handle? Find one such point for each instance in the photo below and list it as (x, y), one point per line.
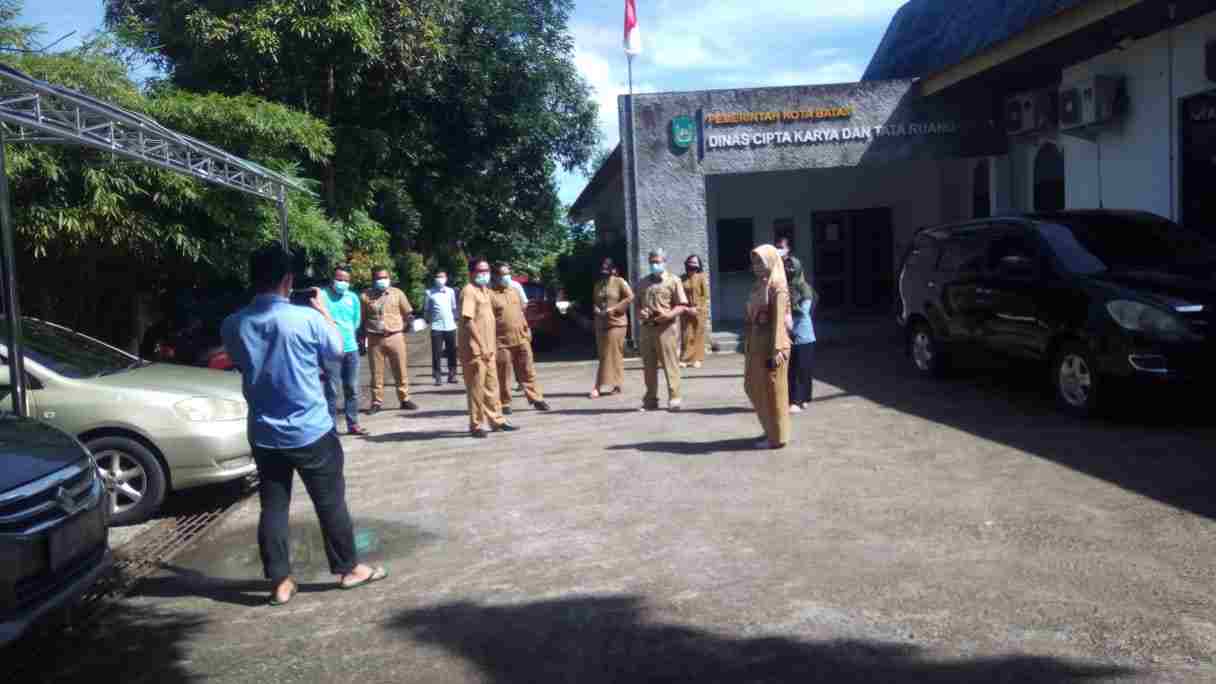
(983, 291)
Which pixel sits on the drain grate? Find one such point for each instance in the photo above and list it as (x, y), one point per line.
(136, 560)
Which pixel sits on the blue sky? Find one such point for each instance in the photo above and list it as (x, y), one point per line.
(687, 45)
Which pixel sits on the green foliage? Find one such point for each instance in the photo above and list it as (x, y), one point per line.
(449, 118)
(414, 278)
(579, 268)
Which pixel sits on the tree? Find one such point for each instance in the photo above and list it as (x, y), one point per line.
(449, 117)
(100, 237)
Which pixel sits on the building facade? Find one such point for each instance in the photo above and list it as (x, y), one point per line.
(1105, 103)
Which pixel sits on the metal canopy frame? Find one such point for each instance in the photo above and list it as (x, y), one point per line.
(37, 112)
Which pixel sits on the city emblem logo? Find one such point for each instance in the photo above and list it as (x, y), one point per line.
(682, 131)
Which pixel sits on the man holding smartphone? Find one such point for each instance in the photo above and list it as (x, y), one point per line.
(280, 350)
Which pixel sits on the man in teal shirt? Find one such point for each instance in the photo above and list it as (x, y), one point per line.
(343, 374)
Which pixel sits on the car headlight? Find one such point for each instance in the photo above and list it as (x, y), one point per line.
(207, 410)
(1150, 320)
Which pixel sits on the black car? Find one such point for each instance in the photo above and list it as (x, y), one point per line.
(54, 514)
(1108, 299)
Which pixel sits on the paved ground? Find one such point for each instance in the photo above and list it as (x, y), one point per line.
(915, 531)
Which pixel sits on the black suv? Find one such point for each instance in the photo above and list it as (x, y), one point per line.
(1108, 299)
(54, 515)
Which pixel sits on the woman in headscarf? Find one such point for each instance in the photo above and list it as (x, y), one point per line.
(696, 288)
(765, 374)
(802, 330)
(611, 297)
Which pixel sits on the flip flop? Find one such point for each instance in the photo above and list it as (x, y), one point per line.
(276, 602)
(377, 575)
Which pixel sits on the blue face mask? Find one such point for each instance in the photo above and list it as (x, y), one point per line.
(657, 269)
(382, 284)
(341, 286)
(482, 279)
(505, 280)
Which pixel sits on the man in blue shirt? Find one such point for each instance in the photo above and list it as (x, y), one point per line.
(280, 349)
(343, 374)
(440, 311)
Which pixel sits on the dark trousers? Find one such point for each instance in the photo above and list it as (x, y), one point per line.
(320, 467)
(443, 345)
(342, 380)
(802, 363)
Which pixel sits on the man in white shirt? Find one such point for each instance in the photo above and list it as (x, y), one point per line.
(441, 314)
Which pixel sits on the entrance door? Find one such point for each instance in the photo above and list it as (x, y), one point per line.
(1198, 146)
(854, 264)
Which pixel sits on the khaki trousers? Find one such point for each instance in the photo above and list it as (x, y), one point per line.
(694, 329)
(610, 343)
(389, 350)
(518, 358)
(481, 385)
(660, 346)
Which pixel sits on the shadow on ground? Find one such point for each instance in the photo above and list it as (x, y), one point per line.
(1161, 447)
(596, 640)
(128, 644)
(691, 448)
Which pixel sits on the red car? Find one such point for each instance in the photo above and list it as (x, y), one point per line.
(542, 314)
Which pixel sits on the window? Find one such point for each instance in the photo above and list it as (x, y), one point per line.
(1049, 179)
(963, 254)
(1127, 242)
(1014, 255)
(735, 245)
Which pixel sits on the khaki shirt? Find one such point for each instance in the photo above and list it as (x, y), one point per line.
(659, 298)
(477, 313)
(511, 327)
(385, 313)
(607, 295)
(696, 286)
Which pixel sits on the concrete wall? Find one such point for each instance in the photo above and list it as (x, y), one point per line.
(920, 193)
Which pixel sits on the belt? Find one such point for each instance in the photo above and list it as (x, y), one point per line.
(385, 334)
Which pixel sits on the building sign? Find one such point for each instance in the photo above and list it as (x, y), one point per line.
(683, 131)
(814, 136)
(733, 118)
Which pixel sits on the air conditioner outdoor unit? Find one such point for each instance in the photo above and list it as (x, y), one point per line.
(1086, 105)
(1029, 112)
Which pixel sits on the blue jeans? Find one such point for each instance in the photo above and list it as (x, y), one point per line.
(342, 379)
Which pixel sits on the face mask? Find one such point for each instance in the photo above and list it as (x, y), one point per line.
(382, 284)
(341, 286)
(505, 280)
(657, 268)
(482, 279)
(783, 253)
(606, 273)
(441, 282)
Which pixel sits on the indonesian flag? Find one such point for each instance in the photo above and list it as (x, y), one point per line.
(633, 37)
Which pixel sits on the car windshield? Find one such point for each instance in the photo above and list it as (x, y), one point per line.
(67, 353)
(1133, 242)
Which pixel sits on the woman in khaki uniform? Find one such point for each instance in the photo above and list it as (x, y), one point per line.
(765, 374)
(611, 296)
(694, 328)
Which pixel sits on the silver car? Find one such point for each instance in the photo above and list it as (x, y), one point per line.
(153, 428)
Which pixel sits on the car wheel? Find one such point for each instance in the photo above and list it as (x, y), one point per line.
(1076, 380)
(926, 352)
(137, 477)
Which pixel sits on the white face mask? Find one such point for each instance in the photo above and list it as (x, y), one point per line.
(440, 282)
(657, 268)
(382, 284)
(783, 253)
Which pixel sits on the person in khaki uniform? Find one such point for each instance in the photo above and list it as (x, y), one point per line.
(693, 328)
(767, 351)
(514, 339)
(478, 344)
(660, 304)
(386, 313)
(611, 296)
